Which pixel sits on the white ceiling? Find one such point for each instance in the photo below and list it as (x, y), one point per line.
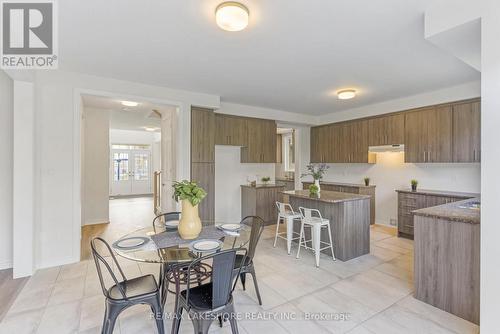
(293, 56)
(127, 118)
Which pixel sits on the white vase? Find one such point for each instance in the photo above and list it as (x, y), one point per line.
(316, 183)
(190, 223)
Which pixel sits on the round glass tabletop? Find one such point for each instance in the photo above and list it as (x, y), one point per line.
(143, 249)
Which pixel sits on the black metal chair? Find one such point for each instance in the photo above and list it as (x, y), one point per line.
(246, 263)
(160, 220)
(207, 302)
(126, 292)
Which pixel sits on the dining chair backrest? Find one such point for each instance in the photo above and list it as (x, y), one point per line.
(284, 209)
(160, 220)
(257, 227)
(222, 275)
(100, 259)
(308, 214)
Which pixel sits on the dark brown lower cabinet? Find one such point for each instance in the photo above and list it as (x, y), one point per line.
(410, 201)
(204, 175)
(261, 201)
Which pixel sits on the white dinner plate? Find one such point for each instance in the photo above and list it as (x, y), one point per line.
(231, 227)
(205, 245)
(129, 243)
(172, 223)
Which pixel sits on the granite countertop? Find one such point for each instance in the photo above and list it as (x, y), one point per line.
(327, 196)
(453, 212)
(261, 185)
(357, 185)
(284, 179)
(439, 193)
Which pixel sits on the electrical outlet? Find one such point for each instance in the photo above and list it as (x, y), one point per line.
(393, 222)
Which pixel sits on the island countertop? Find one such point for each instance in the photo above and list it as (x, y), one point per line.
(445, 193)
(455, 212)
(260, 186)
(344, 184)
(327, 196)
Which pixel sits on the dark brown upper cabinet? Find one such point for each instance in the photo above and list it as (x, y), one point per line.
(386, 130)
(202, 135)
(261, 142)
(230, 130)
(428, 135)
(467, 132)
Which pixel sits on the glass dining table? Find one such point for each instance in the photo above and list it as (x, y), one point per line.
(174, 260)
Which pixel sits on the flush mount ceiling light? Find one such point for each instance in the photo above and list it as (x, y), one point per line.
(231, 16)
(130, 104)
(346, 94)
(150, 129)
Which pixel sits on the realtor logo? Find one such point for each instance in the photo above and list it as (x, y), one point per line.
(28, 35)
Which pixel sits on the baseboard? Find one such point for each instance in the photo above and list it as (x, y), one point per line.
(95, 222)
(5, 265)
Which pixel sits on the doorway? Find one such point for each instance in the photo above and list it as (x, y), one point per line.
(131, 170)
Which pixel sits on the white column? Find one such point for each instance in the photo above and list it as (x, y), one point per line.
(490, 167)
(23, 179)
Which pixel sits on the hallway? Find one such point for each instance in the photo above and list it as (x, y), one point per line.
(125, 215)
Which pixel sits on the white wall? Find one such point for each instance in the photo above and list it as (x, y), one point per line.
(58, 148)
(390, 173)
(266, 113)
(95, 167)
(229, 175)
(6, 144)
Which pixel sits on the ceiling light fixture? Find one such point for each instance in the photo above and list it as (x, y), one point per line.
(346, 94)
(232, 16)
(150, 129)
(130, 104)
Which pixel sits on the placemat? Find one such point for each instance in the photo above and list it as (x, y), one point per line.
(170, 239)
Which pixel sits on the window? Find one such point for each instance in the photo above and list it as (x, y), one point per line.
(141, 172)
(289, 152)
(120, 167)
(129, 147)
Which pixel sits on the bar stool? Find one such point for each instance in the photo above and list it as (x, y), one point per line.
(285, 212)
(316, 223)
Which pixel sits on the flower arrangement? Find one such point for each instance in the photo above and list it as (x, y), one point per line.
(316, 171)
(414, 184)
(265, 179)
(313, 190)
(367, 181)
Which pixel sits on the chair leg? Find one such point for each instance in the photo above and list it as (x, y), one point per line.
(256, 285)
(300, 238)
(316, 239)
(243, 279)
(232, 320)
(331, 243)
(201, 326)
(277, 231)
(289, 234)
(156, 307)
(176, 324)
(110, 316)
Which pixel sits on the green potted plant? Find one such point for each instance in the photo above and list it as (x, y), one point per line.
(316, 171)
(313, 190)
(367, 181)
(190, 195)
(414, 184)
(265, 179)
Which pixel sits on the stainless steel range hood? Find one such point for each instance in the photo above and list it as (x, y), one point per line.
(387, 148)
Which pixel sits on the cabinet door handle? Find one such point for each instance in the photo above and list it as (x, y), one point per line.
(474, 156)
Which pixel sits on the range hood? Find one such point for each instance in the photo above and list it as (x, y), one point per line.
(387, 148)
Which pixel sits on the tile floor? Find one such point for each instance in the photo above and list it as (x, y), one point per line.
(370, 294)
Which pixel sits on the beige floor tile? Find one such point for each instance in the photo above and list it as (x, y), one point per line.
(137, 323)
(359, 330)
(22, 322)
(397, 242)
(374, 289)
(441, 317)
(400, 267)
(75, 270)
(32, 298)
(377, 236)
(352, 267)
(42, 278)
(383, 253)
(67, 290)
(262, 326)
(61, 319)
(397, 320)
(92, 312)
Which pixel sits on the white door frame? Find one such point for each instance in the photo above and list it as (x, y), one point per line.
(183, 117)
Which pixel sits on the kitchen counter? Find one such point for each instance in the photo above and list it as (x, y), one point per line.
(269, 185)
(284, 179)
(342, 184)
(327, 196)
(349, 216)
(453, 212)
(442, 193)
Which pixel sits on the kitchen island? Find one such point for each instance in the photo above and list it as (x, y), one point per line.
(447, 247)
(349, 216)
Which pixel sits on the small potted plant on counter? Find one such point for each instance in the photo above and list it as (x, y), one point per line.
(367, 181)
(266, 179)
(316, 171)
(313, 190)
(414, 184)
(191, 195)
